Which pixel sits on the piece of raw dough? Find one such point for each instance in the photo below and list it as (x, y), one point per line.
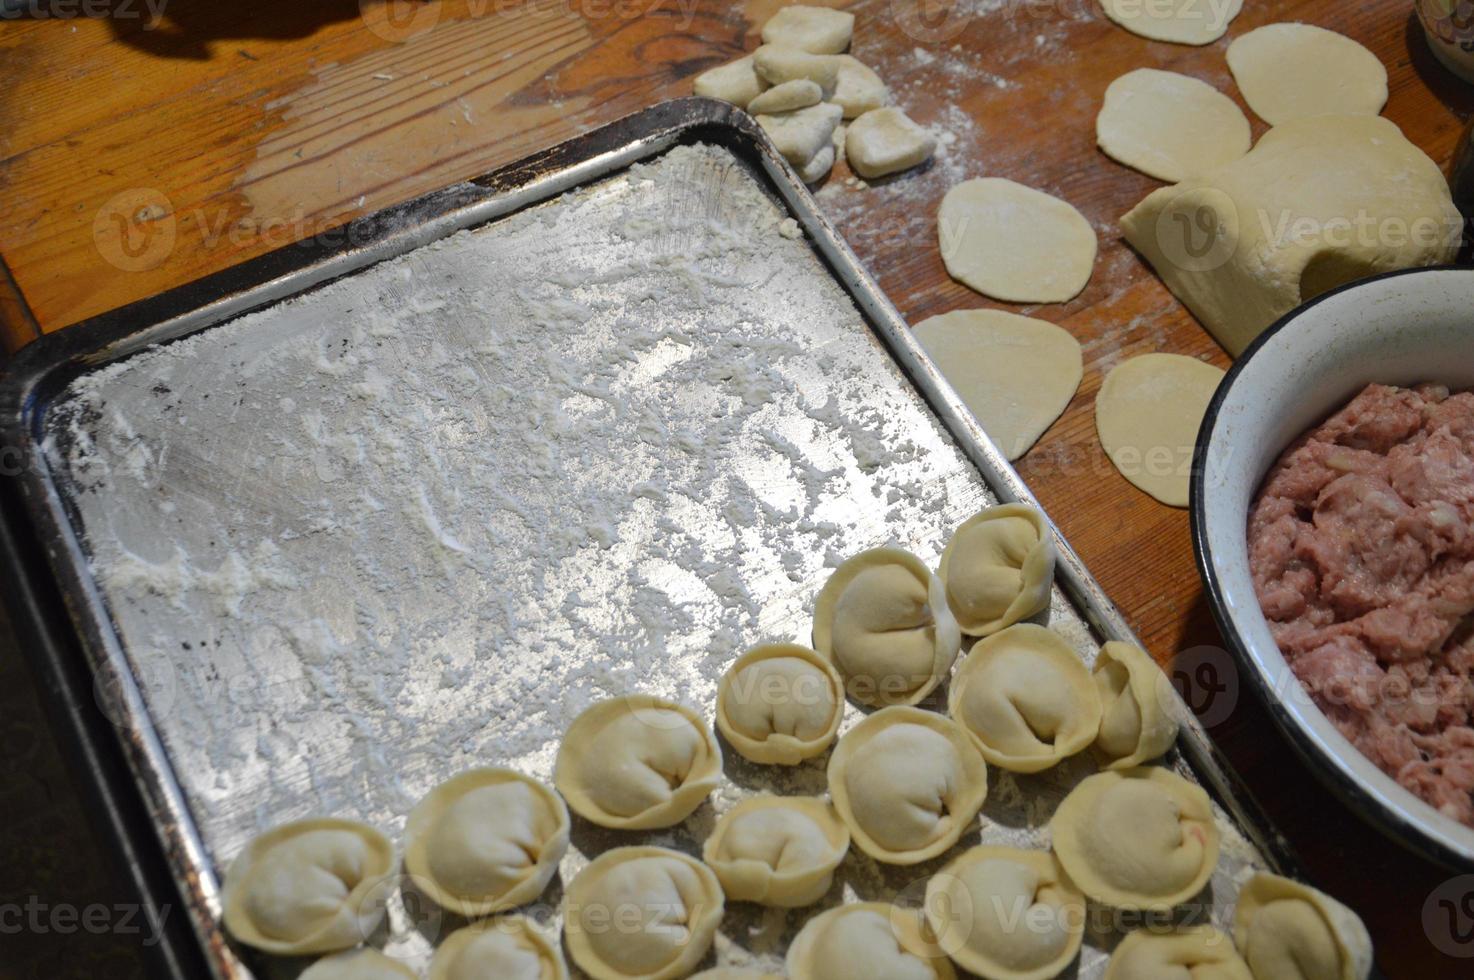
(508, 948)
(1147, 415)
(1014, 373)
(1290, 71)
(859, 89)
(797, 94)
(358, 964)
(819, 166)
(1286, 929)
(776, 64)
(800, 135)
(1177, 21)
(1014, 243)
(886, 141)
(818, 30)
(1317, 203)
(736, 82)
(1170, 126)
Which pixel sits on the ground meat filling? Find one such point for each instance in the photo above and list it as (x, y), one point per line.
(1361, 546)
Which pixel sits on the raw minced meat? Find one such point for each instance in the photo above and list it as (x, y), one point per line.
(1361, 546)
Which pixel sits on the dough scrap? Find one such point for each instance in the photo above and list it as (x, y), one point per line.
(998, 567)
(866, 941)
(1177, 21)
(886, 141)
(802, 134)
(780, 703)
(508, 948)
(776, 64)
(859, 89)
(736, 82)
(778, 851)
(818, 30)
(1288, 929)
(1138, 707)
(1015, 243)
(1014, 373)
(308, 887)
(797, 94)
(818, 168)
(1170, 126)
(637, 763)
(1148, 413)
(486, 841)
(1291, 71)
(358, 964)
(1199, 952)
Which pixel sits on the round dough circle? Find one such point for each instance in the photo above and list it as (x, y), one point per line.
(1290, 71)
(780, 703)
(1014, 373)
(870, 939)
(1170, 126)
(779, 851)
(1190, 951)
(508, 948)
(1176, 21)
(1015, 243)
(1147, 415)
(998, 568)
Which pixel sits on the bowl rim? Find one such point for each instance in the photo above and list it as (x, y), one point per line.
(1398, 823)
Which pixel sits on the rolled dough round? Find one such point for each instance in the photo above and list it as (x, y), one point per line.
(1177, 21)
(1014, 243)
(1290, 71)
(1016, 374)
(1170, 126)
(1148, 413)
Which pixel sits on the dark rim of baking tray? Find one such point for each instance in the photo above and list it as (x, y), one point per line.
(1399, 827)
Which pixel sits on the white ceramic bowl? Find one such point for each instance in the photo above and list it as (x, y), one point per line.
(1400, 329)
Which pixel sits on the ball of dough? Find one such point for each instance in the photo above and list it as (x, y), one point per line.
(1026, 699)
(1199, 952)
(1006, 913)
(1176, 21)
(1291, 71)
(508, 948)
(776, 64)
(1170, 126)
(866, 941)
(858, 89)
(998, 568)
(780, 704)
(882, 619)
(637, 763)
(886, 141)
(641, 913)
(1138, 707)
(1015, 243)
(358, 964)
(1137, 838)
(908, 783)
(736, 82)
(818, 30)
(308, 887)
(1286, 929)
(486, 841)
(777, 851)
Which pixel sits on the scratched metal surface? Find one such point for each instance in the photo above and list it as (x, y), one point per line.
(416, 520)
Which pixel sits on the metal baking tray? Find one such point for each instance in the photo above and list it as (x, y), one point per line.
(340, 522)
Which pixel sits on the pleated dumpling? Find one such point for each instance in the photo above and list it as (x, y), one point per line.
(780, 704)
(1286, 929)
(641, 913)
(908, 783)
(314, 886)
(734, 973)
(1006, 914)
(1137, 838)
(1195, 952)
(1137, 722)
(1026, 699)
(866, 941)
(637, 763)
(998, 568)
(358, 964)
(507, 948)
(777, 850)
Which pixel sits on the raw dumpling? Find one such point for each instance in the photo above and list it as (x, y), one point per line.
(359, 964)
(508, 948)
(780, 704)
(641, 913)
(1138, 721)
(882, 619)
(975, 906)
(486, 841)
(1137, 838)
(1193, 952)
(637, 763)
(817, 30)
(907, 783)
(1289, 930)
(998, 568)
(866, 941)
(1026, 699)
(733, 973)
(778, 851)
(308, 887)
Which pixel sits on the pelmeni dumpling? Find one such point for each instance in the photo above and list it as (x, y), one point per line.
(1289, 930)
(1026, 699)
(507, 948)
(866, 941)
(777, 850)
(1137, 838)
(1006, 914)
(780, 704)
(907, 783)
(641, 913)
(1137, 722)
(998, 568)
(313, 886)
(734, 973)
(637, 763)
(358, 964)
(882, 618)
(1190, 952)
(486, 841)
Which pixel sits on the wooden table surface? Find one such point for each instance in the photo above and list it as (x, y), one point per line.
(138, 154)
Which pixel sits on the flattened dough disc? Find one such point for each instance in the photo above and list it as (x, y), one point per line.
(1014, 243)
(1015, 373)
(1148, 413)
(1178, 21)
(1290, 71)
(1170, 126)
